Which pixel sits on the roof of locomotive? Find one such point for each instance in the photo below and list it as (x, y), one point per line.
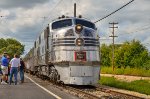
(63, 18)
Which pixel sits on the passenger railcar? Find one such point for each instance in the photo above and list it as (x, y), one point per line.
(67, 50)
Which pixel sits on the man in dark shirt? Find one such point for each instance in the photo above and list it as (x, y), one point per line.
(22, 70)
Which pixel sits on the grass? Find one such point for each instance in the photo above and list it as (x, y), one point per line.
(141, 86)
(126, 71)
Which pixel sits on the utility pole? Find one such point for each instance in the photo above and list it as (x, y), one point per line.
(113, 36)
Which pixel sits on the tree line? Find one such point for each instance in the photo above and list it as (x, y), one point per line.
(129, 54)
(11, 46)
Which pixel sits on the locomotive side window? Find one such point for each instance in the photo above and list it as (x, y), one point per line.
(62, 23)
(85, 23)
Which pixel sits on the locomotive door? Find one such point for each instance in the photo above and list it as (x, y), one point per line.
(46, 38)
(38, 56)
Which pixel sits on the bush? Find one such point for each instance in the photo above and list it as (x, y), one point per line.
(125, 71)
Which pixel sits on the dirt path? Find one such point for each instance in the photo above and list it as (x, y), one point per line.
(126, 77)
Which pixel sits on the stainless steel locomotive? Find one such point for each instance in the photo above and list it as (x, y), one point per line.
(67, 50)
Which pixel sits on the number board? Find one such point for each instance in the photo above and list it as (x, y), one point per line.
(80, 56)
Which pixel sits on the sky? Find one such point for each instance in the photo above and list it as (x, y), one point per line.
(25, 19)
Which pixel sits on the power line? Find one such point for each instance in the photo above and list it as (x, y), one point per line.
(114, 11)
(46, 19)
(55, 7)
(2, 16)
(25, 17)
(139, 30)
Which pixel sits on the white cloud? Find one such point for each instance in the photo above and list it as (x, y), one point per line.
(25, 20)
(8, 4)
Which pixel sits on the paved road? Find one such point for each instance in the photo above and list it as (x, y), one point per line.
(32, 90)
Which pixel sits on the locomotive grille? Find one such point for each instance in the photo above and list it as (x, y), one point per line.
(71, 42)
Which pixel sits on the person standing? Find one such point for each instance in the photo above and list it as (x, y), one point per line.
(14, 64)
(22, 70)
(4, 67)
(8, 69)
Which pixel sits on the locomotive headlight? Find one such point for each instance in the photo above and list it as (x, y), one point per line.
(78, 28)
(79, 41)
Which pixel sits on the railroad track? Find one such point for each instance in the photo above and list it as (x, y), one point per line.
(117, 93)
(82, 94)
(93, 92)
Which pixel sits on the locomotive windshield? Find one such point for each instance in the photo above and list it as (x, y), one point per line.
(85, 23)
(62, 23)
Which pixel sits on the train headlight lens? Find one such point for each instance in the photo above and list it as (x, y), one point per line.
(78, 28)
(79, 41)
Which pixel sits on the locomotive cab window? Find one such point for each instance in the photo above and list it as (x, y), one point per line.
(34, 44)
(85, 23)
(39, 39)
(88, 33)
(62, 23)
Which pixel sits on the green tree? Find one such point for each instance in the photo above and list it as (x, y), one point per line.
(105, 55)
(3, 43)
(122, 55)
(132, 54)
(147, 64)
(11, 46)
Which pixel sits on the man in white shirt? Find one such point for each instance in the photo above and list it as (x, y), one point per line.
(14, 64)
